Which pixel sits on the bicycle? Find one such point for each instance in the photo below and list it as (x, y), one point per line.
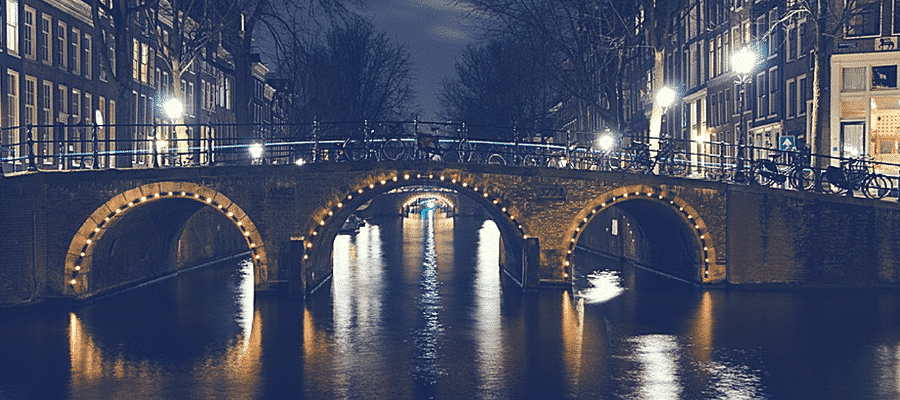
(855, 174)
(670, 161)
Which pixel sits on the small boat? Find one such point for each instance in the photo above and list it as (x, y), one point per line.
(351, 225)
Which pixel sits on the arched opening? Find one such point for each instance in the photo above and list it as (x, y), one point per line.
(154, 230)
(646, 228)
(466, 195)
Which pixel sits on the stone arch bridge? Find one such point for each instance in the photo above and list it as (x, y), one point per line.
(76, 234)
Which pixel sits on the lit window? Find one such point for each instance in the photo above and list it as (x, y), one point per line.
(12, 26)
(884, 77)
(865, 18)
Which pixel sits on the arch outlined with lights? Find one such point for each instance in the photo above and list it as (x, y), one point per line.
(689, 215)
(337, 208)
(80, 255)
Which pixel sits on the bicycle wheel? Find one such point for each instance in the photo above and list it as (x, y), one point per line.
(803, 179)
(532, 160)
(353, 150)
(877, 186)
(620, 161)
(496, 159)
(762, 179)
(641, 165)
(676, 166)
(393, 149)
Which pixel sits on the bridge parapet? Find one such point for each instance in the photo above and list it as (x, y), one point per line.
(710, 233)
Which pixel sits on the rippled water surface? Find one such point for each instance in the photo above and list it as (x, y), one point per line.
(418, 309)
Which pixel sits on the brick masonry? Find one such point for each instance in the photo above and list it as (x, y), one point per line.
(287, 216)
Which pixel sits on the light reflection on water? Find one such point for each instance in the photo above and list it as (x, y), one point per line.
(418, 309)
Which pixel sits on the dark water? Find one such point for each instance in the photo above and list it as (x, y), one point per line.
(419, 310)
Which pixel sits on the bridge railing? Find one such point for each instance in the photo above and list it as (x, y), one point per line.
(63, 147)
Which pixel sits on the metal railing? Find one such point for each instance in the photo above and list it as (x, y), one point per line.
(65, 147)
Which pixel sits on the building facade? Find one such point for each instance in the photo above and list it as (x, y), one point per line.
(773, 107)
(58, 61)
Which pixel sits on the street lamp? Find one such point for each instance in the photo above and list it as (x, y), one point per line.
(665, 97)
(742, 64)
(174, 109)
(256, 152)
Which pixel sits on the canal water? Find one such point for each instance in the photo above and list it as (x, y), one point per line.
(417, 309)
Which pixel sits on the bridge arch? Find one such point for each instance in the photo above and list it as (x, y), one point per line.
(664, 207)
(330, 216)
(81, 253)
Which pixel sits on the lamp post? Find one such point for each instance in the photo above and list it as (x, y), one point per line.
(665, 97)
(742, 64)
(173, 109)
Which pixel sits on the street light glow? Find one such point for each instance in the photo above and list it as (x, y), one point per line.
(743, 61)
(173, 108)
(256, 150)
(607, 142)
(665, 97)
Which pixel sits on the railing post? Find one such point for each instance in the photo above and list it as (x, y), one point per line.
(95, 144)
(32, 166)
(315, 155)
(210, 142)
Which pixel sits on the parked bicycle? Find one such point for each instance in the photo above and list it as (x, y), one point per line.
(670, 161)
(796, 173)
(855, 174)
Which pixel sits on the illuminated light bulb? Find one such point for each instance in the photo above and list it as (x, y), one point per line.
(144, 198)
(584, 220)
(707, 260)
(442, 177)
(524, 236)
(696, 226)
(252, 245)
(315, 233)
(309, 245)
(349, 197)
(246, 233)
(230, 214)
(330, 213)
(475, 189)
(383, 182)
(577, 229)
(705, 248)
(626, 195)
(322, 222)
(465, 184)
(73, 281)
(371, 186)
(196, 196)
(395, 179)
(171, 193)
(96, 229)
(418, 176)
(503, 209)
(306, 257)
(573, 240)
(240, 223)
(130, 203)
(82, 254)
(88, 241)
(360, 191)
(701, 237)
(567, 263)
(430, 176)
(660, 197)
(257, 256)
(485, 195)
(453, 181)
(680, 208)
(78, 268)
(406, 176)
(565, 274)
(340, 205)
(602, 204)
(209, 199)
(496, 201)
(156, 195)
(106, 219)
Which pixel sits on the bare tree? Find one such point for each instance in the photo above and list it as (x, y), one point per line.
(504, 83)
(353, 74)
(278, 23)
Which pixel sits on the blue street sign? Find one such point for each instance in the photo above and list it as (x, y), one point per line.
(787, 142)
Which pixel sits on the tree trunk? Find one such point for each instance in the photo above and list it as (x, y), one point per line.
(125, 132)
(658, 80)
(821, 137)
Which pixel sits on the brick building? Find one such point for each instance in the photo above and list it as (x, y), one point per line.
(55, 77)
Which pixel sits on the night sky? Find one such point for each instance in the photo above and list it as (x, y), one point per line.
(435, 32)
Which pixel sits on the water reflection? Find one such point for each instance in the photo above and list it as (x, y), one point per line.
(603, 286)
(430, 329)
(109, 360)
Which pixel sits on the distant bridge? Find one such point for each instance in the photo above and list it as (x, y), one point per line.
(77, 233)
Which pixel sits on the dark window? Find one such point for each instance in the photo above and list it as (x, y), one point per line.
(865, 18)
(884, 77)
